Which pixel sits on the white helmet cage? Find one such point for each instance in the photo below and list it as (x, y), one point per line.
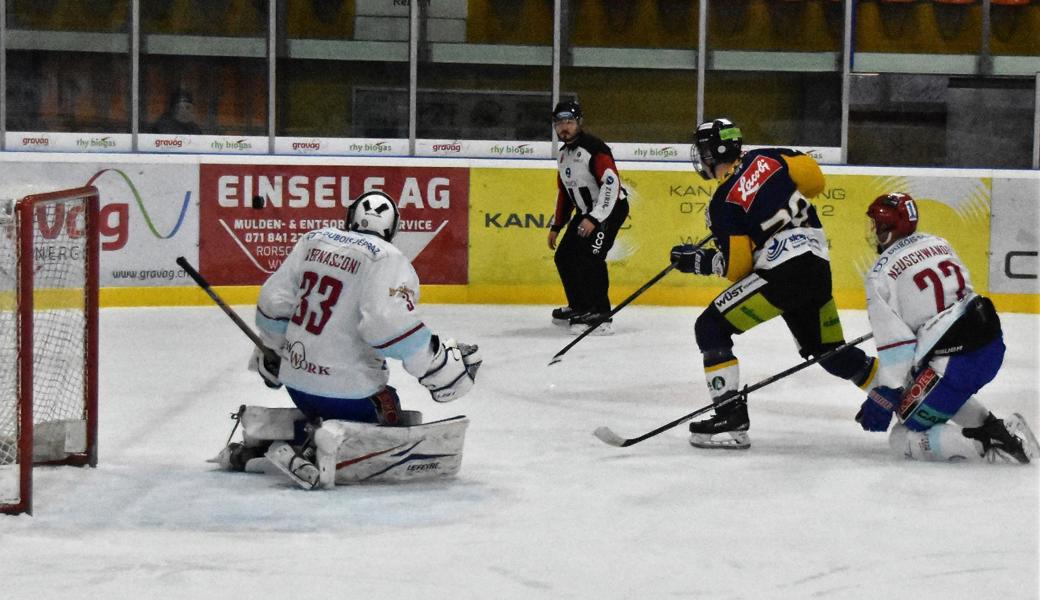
(374, 212)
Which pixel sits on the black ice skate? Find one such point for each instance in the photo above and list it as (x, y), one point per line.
(730, 423)
(1010, 440)
(561, 317)
(580, 322)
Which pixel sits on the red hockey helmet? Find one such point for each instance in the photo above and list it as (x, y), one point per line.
(892, 217)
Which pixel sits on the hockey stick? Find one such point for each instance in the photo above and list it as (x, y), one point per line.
(269, 354)
(609, 437)
(559, 355)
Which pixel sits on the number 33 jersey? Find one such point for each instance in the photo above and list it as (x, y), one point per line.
(916, 290)
(340, 304)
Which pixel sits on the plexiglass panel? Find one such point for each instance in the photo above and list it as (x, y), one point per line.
(68, 66)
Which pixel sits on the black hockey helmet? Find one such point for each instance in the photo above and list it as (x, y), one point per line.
(715, 142)
(374, 212)
(567, 109)
(892, 217)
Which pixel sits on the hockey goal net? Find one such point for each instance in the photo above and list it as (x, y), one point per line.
(48, 337)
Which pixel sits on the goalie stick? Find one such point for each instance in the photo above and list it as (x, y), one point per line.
(269, 354)
(607, 436)
(559, 355)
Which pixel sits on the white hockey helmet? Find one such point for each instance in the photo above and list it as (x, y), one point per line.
(374, 212)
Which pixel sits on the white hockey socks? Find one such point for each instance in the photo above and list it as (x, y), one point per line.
(942, 443)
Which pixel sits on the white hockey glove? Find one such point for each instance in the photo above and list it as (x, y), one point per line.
(267, 365)
(449, 376)
(471, 356)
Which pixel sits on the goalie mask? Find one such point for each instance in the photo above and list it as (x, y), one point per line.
(891, 217)
(715, 142)
(376, 213)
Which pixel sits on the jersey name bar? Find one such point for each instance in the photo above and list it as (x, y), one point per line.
(915, 257)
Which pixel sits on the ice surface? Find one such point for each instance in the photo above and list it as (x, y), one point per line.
(816, 508)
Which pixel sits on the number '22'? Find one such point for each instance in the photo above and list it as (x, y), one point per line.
(927, 277)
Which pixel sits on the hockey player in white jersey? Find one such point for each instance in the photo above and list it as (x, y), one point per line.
(939, 343)
(335, 310)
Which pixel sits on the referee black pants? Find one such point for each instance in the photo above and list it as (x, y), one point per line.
(582, 261)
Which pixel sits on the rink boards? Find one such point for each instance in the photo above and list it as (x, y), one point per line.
(476, 229)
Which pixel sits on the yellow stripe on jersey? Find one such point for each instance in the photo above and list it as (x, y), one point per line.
(739, 262)
(806, 174)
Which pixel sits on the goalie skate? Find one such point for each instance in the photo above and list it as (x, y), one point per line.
(302, 471)
(726, 430)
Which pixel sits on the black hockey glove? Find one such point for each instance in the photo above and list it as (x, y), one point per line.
(691, 259)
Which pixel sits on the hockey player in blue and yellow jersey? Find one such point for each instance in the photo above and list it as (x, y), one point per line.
(770, 243)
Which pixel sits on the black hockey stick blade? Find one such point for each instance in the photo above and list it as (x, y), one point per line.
(609, 437)
(559, 355)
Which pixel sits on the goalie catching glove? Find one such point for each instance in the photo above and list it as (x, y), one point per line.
(267, 365)
(452, 370)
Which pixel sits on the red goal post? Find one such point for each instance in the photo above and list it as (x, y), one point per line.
(49, 253)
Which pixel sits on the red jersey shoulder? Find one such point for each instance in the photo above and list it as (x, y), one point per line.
(751, 180)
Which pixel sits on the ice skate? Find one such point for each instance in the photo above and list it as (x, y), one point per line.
(302, 471)
(579, 323)
(561, 317)
(235, 456)
(727, 429)
(1006, 441)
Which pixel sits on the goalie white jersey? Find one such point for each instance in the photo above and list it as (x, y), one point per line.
(916, 290)
(340, 304)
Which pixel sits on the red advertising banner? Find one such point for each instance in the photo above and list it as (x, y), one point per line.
(250, 215)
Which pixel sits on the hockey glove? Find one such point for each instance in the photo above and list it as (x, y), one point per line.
(449, 376)
(691, 259)
(471, 358)
(876, 412)
(267, 365)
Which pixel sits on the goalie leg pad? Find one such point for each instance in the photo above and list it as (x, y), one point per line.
(353, 452)
(261, 425)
